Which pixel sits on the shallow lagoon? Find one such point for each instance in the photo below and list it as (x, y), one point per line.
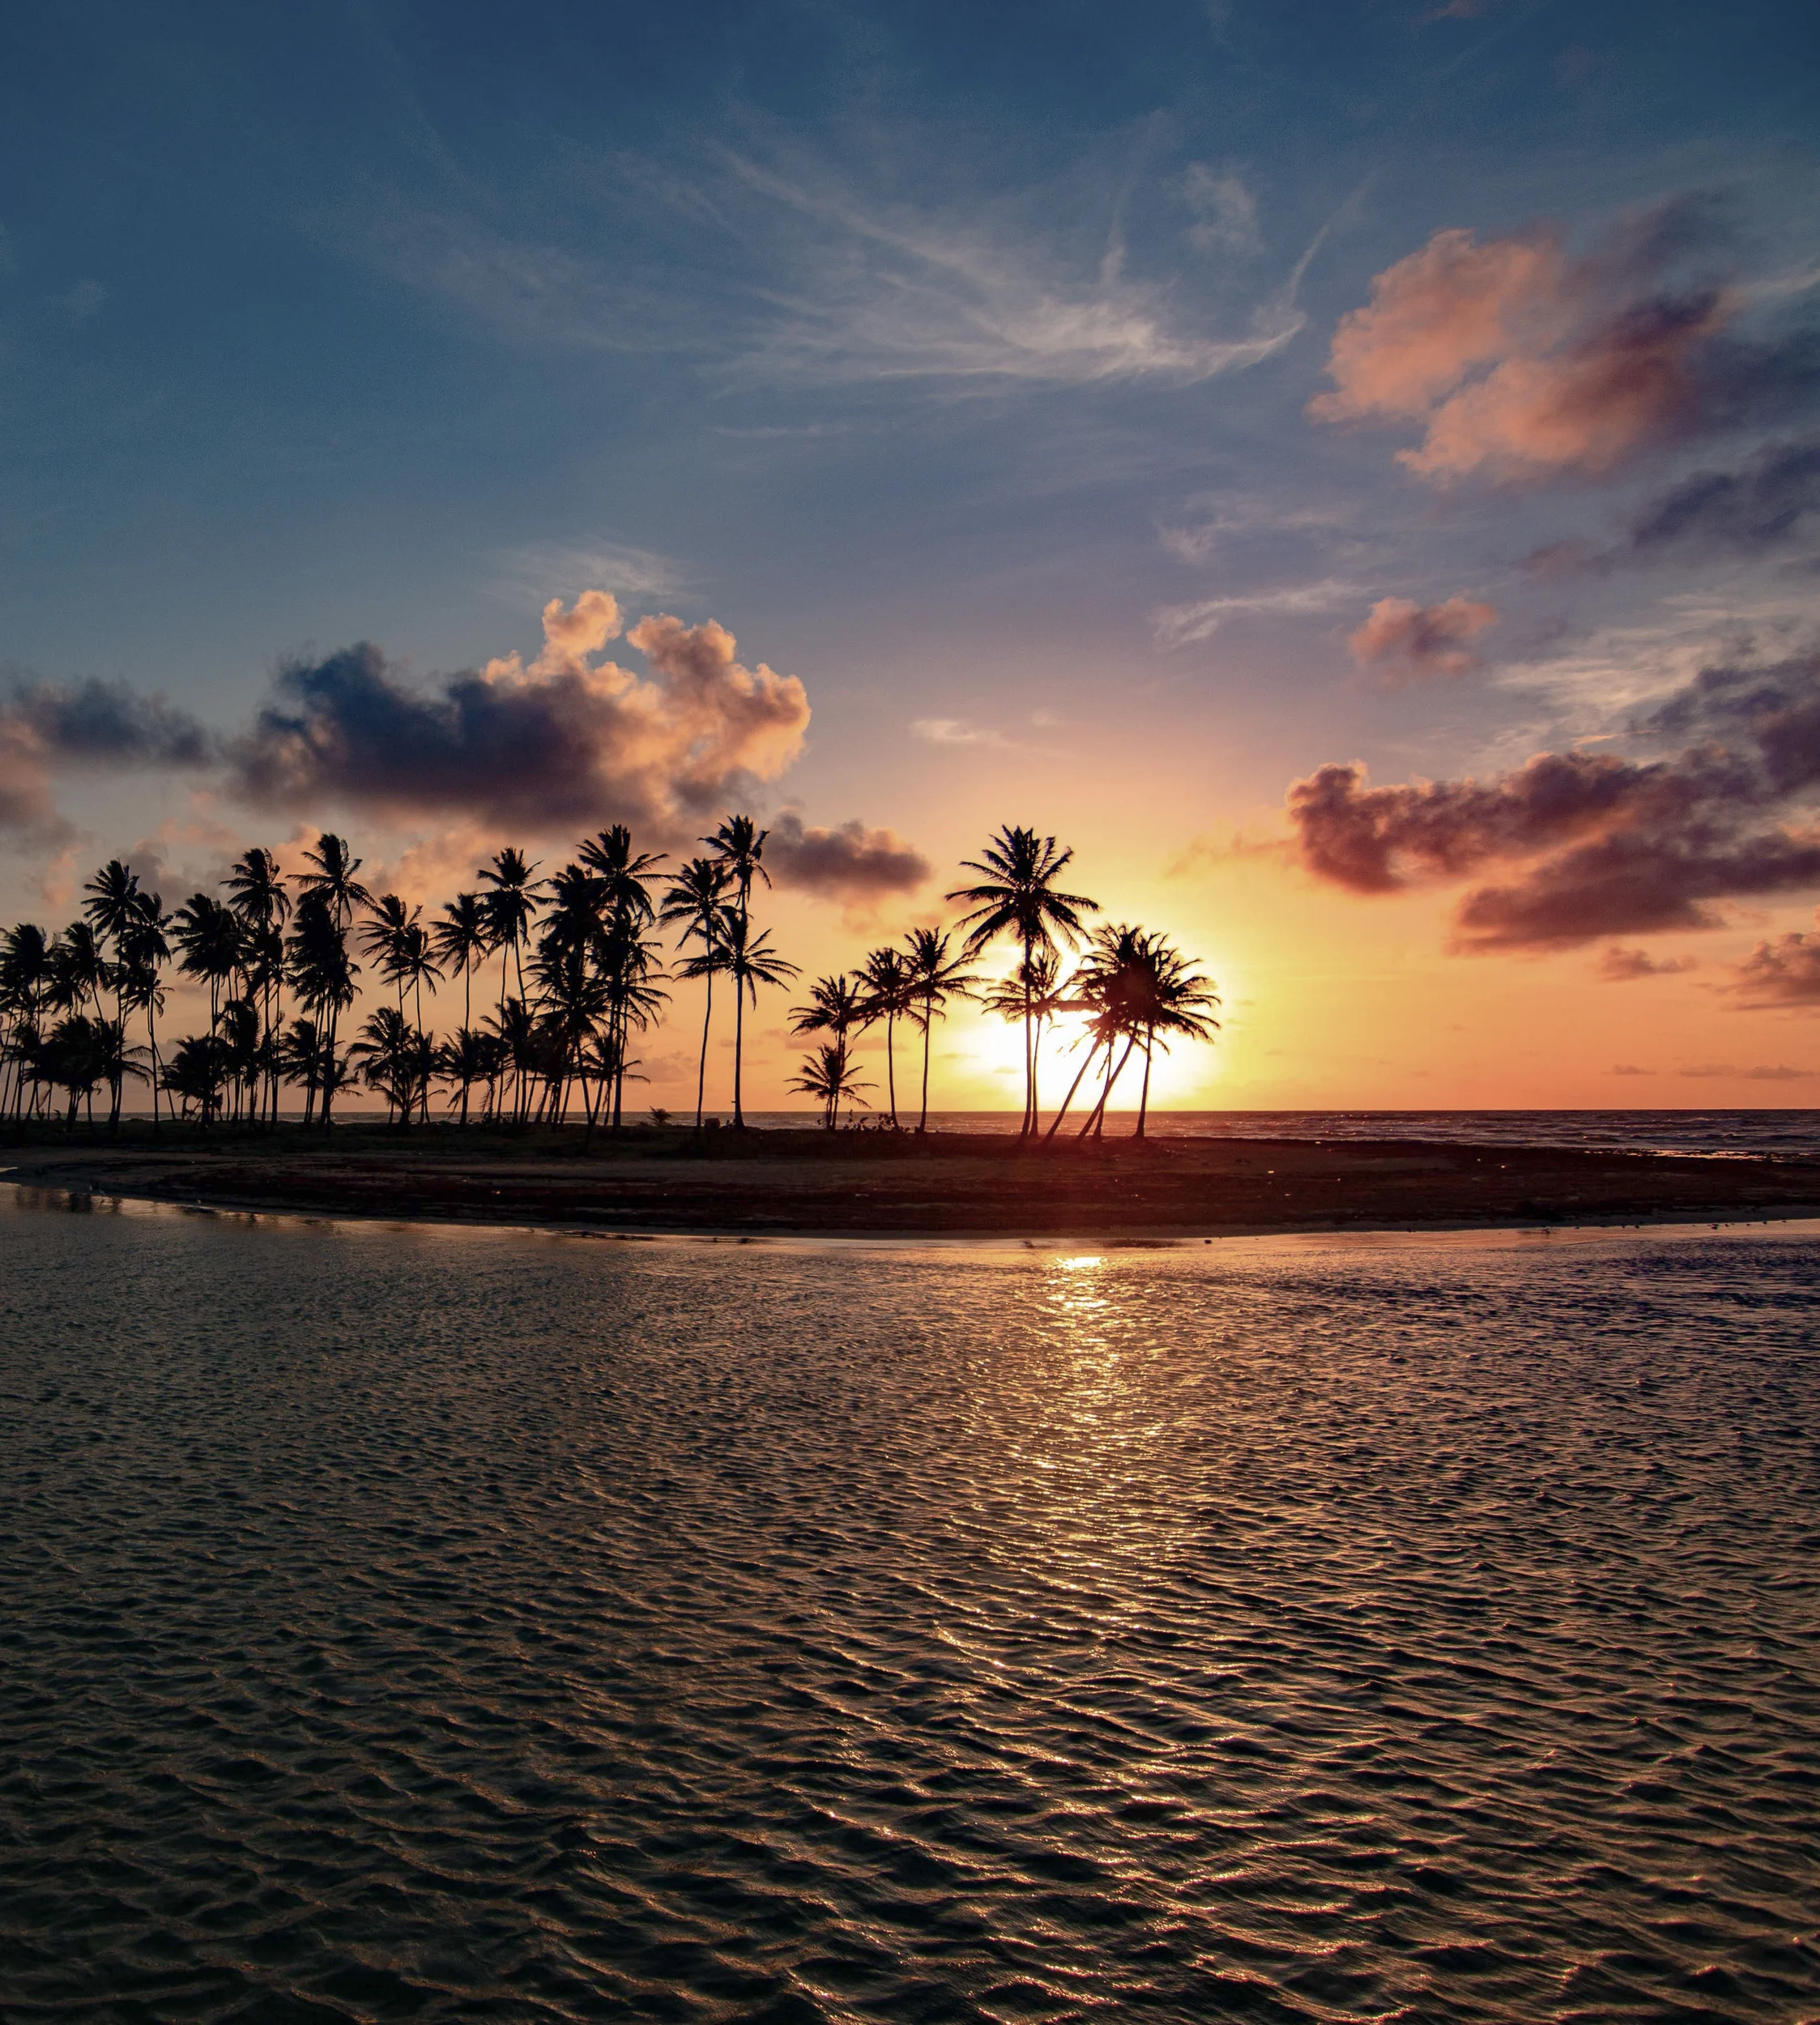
(405, 1622)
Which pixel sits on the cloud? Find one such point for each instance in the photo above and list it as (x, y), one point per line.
(849, 863)
(955, 730)
(1409, 643)
(887, 293)
(1519, 363)
(1630, 1068)
(1765, 504)
(1603, 845)
(47, 727)
(1226, 213)
(1784, 972)
(1184, 625)
(1763, 1072)
(567, 738)
(1620, 966)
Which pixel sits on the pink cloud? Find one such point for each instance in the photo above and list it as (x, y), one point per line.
(1519, 363)
(1408, 643)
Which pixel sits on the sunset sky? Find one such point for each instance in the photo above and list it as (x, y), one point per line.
(1350, 471)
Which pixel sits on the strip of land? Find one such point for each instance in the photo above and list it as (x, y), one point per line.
(853, 1184)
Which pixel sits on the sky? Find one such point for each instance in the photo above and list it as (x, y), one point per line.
(1351, 472)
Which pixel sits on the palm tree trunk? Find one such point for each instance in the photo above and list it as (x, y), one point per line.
(1096, 1118)
(701, 1072)
(1143, 1096)
(928, 1022)
(1055, 1124)
(891, 1064)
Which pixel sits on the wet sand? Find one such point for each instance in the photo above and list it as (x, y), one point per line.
(949, 1184)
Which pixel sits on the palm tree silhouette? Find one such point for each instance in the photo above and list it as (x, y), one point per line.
(886, 976)
(111, 907)
(322, 976)
(751, 961)
(143, 950)
(695, 901)
(838, 1005)
(1016, 893)
(511, 907)
(261, 900)
(461, 940)
(825, 1076)
(739, 845)
(935, 978)
(24, 976)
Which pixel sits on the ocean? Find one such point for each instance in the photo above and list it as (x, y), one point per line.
(412, 1622)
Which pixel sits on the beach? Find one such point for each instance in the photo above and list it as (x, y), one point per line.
(951, 1184)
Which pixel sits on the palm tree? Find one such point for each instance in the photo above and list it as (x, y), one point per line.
(838, 1005)
(208, 934)
(464, 1062)
(886, 976)
(825, 1076)
(935, 978)
(331, 878)
(198, 1073)
(751, 961)
(738, 846)
(24, 975)
(1181, 1003)
(393, 1054)
(1034, 991)
(382, 938)
(696, 901)
(112, 907)
(461, 940)
(299, 1056)
(322, 976)
(1016, 893)
(626, 874)
(261, 900)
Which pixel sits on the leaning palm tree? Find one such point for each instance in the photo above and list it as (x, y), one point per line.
(1181, 1007)
(751, 961)
(826, 1077)
(1016, 894)
(696, 901)
(738, 846)
(935, 978)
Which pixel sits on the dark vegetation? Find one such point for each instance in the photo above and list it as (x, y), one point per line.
(582, 976)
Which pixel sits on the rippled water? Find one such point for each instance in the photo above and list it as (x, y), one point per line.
(436, 1624)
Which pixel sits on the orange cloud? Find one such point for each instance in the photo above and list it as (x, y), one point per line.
(1410, 643)
(1520, 364)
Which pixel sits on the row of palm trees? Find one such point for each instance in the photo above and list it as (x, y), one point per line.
(580, 975)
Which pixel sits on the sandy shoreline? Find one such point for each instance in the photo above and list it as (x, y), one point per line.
(956, 1186)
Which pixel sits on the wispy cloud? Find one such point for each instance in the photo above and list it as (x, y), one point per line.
(955, 730)
(635, 575)
(1184, 625)
(880, 292)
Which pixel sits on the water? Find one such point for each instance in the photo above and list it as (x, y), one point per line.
(438, 1624)
(1787, 1135)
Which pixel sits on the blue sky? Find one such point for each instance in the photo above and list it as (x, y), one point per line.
(958, 360)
